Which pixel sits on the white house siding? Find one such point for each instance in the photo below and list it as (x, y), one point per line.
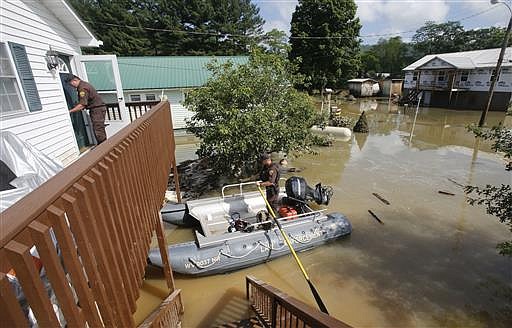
(478, 80)
(175, 96)
(49, 130)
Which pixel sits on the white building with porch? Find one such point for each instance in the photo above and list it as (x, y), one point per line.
(461, 80)
(131, 85)
(34, 101)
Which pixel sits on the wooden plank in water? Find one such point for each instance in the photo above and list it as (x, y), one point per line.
(375, 216)
(382, 199)
(458, 184)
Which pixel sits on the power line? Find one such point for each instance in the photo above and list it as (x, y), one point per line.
(414, 31)
(229, 35)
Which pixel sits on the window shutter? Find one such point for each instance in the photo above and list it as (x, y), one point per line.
(27, 78)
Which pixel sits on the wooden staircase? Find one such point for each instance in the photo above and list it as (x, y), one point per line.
(410, 98)
(275, 308)
(245, 323)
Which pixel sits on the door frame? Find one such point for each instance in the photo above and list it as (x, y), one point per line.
(73, 68)
(84, 123)
(117, 79)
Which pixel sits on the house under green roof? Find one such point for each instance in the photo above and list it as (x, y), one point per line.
(156, 72)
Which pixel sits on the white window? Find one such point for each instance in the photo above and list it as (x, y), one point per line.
(441, 76)
(150, 97)
(10, 96)
(464, 76)
(134, 97)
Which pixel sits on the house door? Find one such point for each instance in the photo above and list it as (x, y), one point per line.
(427, 95)
(102, 72)
(77, 119)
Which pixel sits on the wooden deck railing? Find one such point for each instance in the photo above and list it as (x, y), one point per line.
(113, 112)
(135, 110)
(91, 226)
(276, 309)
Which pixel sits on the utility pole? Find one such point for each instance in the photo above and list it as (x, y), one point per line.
(498, 65)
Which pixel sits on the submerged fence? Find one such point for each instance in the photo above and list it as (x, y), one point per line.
(73, 252)
(276, 309)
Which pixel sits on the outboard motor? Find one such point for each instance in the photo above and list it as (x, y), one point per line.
(298, 189)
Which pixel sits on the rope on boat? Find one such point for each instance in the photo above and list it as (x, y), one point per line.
(237, 257)
(271, 247)
(221, 252)
(199, 266)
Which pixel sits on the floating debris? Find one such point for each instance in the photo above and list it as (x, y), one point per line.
(382, 199)
(375, 216)
(446, 193)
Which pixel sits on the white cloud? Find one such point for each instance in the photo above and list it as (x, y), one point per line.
(369, 11)
(277, 14)
(489, 14)
(277, 24)
(392, 16)
(396, 16)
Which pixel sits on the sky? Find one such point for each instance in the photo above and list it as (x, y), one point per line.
(380, 17)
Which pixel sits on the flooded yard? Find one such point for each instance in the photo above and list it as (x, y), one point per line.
(433, 262)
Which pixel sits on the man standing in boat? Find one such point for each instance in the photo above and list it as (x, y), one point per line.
(269, 177)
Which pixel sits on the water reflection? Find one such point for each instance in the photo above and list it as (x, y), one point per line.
(433, 263)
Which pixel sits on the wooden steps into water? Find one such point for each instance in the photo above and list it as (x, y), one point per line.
(245, 323)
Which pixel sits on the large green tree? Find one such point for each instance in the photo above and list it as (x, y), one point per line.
(275, 41)
(484, 38)
(496, 199)
(172, 27)
(99, 14)
(245, 110)
(434, 38)
(387, 56)
(325, 41)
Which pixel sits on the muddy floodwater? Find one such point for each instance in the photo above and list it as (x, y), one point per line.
(433, 262)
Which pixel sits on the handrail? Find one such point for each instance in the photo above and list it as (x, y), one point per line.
(91, 225)
(168, 314)
(277, 309)
(135, 109)
(240, 185)
(20, 214)
(294, 217)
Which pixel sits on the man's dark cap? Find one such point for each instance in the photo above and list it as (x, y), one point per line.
(264, 157)
(70, 77)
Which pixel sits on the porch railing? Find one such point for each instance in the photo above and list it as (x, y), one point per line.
(113, 112)
(276, 309)
(135, 110)
(91, 226)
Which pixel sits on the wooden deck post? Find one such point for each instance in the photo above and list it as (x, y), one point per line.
(162, 245)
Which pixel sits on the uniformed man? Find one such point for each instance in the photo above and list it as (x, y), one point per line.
(91, 100)
(269, 177)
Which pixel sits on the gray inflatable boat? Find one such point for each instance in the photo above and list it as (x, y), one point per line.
(235, 231)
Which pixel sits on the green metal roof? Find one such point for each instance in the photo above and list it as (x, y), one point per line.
(156, 72)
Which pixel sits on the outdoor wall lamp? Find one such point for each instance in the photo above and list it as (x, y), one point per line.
(52, 60)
